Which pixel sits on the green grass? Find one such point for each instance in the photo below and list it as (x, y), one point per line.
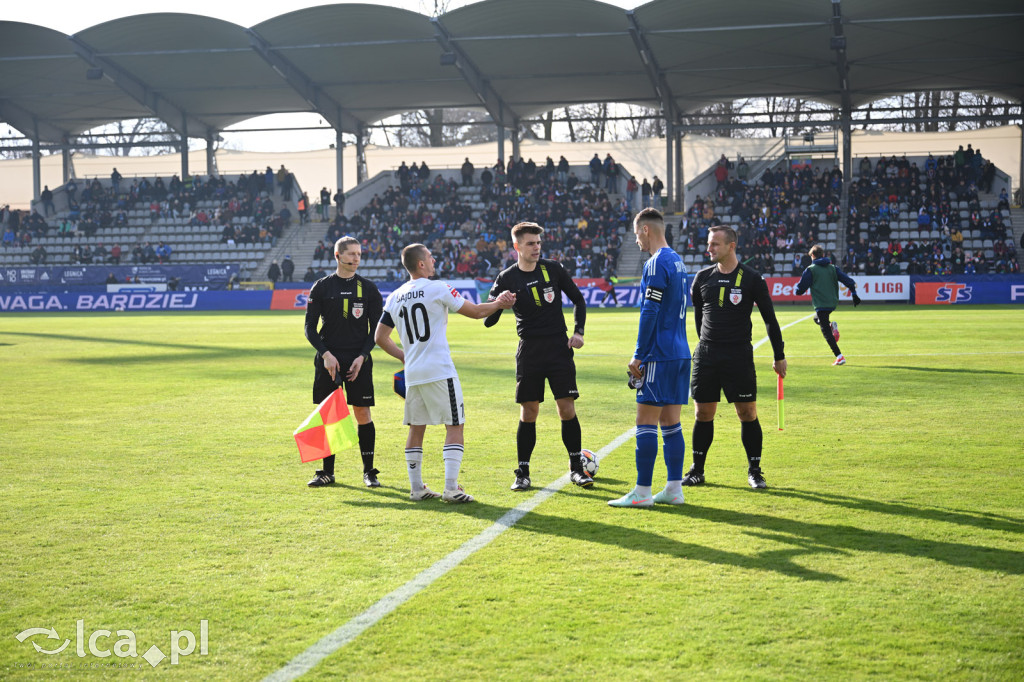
(148, 480)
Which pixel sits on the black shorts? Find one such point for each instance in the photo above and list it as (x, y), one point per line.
(358, 393)
(723, 368)
(545, 357)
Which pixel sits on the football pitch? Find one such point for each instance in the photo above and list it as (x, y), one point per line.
(150, 483)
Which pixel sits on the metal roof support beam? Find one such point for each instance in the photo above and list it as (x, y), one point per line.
(489, 99)
(654, 72)
(1019, 196)
(164, 109)
(27, 124)
(680, 185)
(184, 147)
(65, 154)
(360, 157)
(322, 103)
(209, 156)
(339, 161)
(662, 92)
(37, 175)
(838, 45)
(670, 147)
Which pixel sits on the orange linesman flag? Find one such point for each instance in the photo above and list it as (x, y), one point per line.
(330, 429)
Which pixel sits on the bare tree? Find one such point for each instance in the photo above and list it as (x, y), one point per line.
(127, 136)
(640, 122)
(588, 122)
(445, 128)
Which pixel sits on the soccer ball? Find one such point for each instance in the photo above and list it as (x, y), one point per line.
(589, 461)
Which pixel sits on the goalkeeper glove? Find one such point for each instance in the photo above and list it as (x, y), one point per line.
(856, 299)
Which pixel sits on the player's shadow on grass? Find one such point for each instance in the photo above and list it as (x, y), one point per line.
(961, 517)
(633, 539)
(947, 370)
(384, 491)
(842, 539)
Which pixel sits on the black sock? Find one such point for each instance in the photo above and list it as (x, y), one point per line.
(328, 466)
(750, 434)
(826, 331)
(572, 438)
(526, 439)
(367, 441)
(703, 434)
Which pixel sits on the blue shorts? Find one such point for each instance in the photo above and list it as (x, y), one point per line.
(666, 382)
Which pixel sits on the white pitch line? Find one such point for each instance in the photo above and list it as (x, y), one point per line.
(919, 355)
(309, 658)
(765, 339)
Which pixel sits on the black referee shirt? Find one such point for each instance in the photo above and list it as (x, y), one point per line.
(538, 307)
(723, 302)
(350, 310)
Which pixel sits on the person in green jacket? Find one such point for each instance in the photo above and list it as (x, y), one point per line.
(822, 278)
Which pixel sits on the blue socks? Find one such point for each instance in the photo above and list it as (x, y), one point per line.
(675, 451)
(646, 453)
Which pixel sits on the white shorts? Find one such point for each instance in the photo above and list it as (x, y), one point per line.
(437, 402)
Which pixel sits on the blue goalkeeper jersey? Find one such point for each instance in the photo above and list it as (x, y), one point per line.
(662, 334)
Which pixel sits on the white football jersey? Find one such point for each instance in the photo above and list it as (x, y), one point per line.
(419, 309)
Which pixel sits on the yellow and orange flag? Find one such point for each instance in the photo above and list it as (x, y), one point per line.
(330, 429)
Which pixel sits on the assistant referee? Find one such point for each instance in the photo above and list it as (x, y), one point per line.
(350, 307)
(723, 297)
(545, 350)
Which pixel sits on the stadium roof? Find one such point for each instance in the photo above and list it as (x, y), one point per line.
(357, 63)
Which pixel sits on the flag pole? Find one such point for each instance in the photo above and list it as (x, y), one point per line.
(782, 404)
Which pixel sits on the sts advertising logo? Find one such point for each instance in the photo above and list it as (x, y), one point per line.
(941, 293)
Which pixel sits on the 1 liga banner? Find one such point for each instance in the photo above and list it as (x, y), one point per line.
(869, 288)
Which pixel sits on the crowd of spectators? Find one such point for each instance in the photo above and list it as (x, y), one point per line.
(780, 215)
(581, 221)
(96, 206)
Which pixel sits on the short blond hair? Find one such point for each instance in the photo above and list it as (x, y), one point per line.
(342, 244)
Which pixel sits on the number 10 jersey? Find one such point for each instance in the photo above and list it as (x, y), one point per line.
(419, 311)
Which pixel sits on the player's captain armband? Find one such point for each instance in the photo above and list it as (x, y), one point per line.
(654, 294)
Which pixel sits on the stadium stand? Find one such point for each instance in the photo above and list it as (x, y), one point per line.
(917, 215)
(920, 215)
(466, 218)
(229, 219)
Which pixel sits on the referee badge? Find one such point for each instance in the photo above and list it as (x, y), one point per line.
(735, 296)
(357, 310)
(549, 294)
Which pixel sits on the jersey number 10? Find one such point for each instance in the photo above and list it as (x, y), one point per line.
(412, 317)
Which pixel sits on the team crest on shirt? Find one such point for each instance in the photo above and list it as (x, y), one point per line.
(735, 296)
(357, 310)
(549, 294)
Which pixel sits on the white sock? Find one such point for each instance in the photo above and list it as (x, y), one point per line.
(674, 488)
(414, 463)
(452, 463)
(642, 491)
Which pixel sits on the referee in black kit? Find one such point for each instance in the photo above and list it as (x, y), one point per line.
(723, 297)
(545, 349)
(350, 306)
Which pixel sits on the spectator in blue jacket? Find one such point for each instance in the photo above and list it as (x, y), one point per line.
(822, 278)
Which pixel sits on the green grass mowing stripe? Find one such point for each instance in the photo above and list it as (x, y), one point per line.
(305, 661)
(308, 659)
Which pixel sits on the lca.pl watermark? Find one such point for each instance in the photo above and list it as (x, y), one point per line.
(182, 643)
